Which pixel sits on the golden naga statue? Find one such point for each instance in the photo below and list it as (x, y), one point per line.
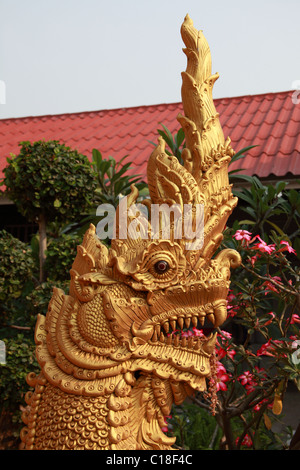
(112, 352)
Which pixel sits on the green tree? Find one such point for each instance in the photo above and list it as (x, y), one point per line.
(17, 271)
(49, 182)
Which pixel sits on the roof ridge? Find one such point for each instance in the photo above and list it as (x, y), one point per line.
(123, 108)
(96, 111)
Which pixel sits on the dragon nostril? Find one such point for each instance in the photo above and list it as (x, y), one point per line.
(137, 374)
(161, 267)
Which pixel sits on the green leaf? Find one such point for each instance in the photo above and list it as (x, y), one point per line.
(97, 158)
(278, 229)
(245, 197)
(247, 222)
(121, 172)
(179, 137)
(240, 153)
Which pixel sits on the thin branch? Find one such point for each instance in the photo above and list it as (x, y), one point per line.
(251, 400)
(256, 419)
(16, 327)
(269, 279)
(210, 446)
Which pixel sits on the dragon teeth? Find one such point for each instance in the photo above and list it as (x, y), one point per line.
(165, 332)
(192, 342)
(211, 318)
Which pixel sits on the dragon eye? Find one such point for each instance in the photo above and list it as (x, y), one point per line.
(161, 267)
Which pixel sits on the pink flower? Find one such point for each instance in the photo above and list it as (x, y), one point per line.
(187, 333)
(230, 296)
(295, 343)
(264, 349)
(287, 247)
(232, 310)
(227, 334)
(262, 246)
(261, 372)
(231, 353)
(258, 406)
(247, 441)
(271, 319)
(270, 285)
(246, 378)
(197, 332)
(221, 377)
(242, 235)
(220, 367)
(268, 349)
(165, 428)
(221, 382)
(223, 347)
(253, 259)
(173, 333)
(221, 353)
(295, 318)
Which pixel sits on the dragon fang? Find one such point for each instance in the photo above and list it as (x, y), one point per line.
(117, 351)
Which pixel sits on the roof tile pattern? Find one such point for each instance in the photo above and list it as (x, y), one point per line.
(270, 121)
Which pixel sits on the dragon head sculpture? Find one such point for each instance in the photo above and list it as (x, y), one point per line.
(131, 337)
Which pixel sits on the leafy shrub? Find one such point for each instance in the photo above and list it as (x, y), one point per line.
(20, 360)
(16, 276)
(49, 182)
(16, 266)
(270, 207)
(194, 428)
(251, 373)
(60, 256)
(39, 298)
(49, 178)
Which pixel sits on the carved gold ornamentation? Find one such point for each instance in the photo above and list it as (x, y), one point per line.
(113, 360)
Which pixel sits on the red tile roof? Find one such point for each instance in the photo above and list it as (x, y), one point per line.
(271, 121)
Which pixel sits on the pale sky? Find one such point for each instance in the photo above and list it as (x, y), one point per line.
(64, 56)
